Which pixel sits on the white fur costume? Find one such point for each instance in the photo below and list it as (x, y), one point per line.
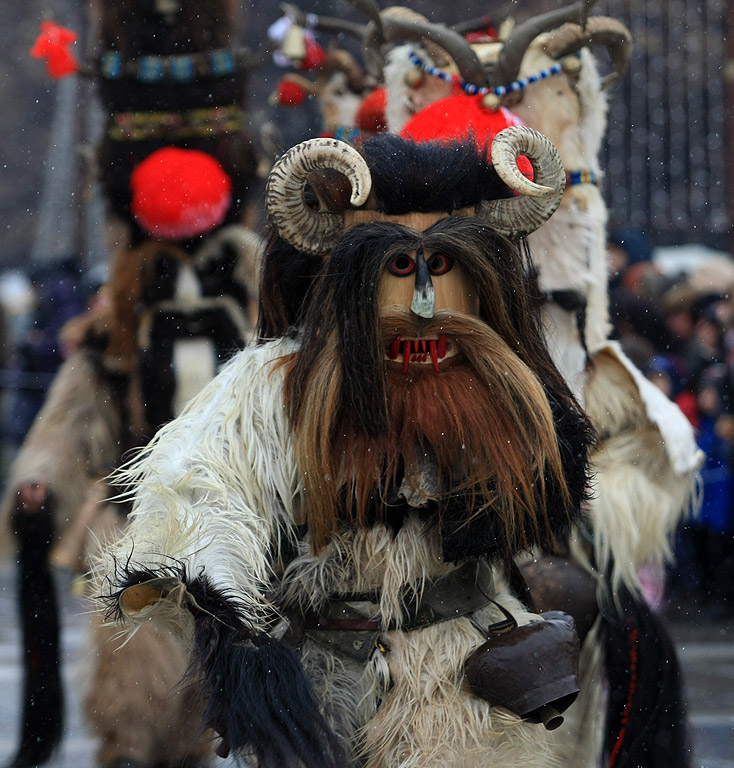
(218, 490)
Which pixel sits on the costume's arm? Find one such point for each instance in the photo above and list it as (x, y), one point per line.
(73, 441)
(646, 467)
(213, 493)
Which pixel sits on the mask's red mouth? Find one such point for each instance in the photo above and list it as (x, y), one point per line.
(420, 351)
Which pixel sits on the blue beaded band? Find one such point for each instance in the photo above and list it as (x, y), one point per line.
(183, 68)
(500, 90)
(581, 177)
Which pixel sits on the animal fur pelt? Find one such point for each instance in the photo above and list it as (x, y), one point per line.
(74, 440)
(645, 468)
(218, 493)
(120, 707)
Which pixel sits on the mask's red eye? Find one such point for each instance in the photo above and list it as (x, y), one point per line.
(439, 264)
(401, 265)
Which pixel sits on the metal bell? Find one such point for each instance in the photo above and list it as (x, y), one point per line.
(531, 670)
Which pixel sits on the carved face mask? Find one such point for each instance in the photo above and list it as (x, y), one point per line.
(425, 282)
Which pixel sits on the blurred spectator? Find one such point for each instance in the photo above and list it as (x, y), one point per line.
(706, 344)
(666, 373)
(635, 285)
(676, 305)
(625, 246)
(39, 354)
(705, 556)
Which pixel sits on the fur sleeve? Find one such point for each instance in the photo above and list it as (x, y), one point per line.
(74, 439)
(645, 468)
(216, 487)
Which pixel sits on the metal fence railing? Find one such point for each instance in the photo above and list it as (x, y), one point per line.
(667, 155)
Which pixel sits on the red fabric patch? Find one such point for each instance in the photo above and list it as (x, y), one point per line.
(371, 112)
(179, 193)
(315, 55)
(52, 44)
(458, 116)
(290, 94)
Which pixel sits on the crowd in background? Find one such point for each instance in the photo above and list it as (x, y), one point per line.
(34, 307)
(679, 330)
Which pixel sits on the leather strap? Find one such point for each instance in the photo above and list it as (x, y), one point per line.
(348, 630)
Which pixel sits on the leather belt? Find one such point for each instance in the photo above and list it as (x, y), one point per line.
(348, 630)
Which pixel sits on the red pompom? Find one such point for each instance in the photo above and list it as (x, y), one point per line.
(315, 55)
(52, 44)
(371, 112)
(458, 116)
(179, 193)
(290, 94)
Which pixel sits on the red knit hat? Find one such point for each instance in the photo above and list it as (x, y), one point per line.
(179, 193)
(458, 116)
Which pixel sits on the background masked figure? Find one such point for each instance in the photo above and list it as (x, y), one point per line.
(176, 162)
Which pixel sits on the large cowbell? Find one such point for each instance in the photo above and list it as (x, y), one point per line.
(531, 670)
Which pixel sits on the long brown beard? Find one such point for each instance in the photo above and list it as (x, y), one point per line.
(484, 415)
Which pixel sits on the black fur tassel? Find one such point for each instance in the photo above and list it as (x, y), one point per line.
(42, 721)
(259, 699)
(256, 694)
(646, 720)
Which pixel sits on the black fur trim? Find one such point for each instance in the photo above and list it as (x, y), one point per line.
(126, 575)
(259, 699)
(429, 176)
(43, 710)
(257, 696)
(646, 719)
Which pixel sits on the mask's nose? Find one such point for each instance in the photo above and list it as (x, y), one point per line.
(424, 300)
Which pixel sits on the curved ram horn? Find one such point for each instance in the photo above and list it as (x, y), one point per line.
(322, 23)
(371, 10)
(519, 216)
(600, 30)
(456, 46)
(508, 65)
(308, 230)
(400, 23)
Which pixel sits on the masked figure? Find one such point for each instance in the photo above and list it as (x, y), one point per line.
(176, 163)
(330, 525)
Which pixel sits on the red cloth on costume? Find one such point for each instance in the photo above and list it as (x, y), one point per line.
(371, 112)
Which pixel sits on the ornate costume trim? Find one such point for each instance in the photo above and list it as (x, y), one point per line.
(139, 126)
(181, 68)
(584, 176)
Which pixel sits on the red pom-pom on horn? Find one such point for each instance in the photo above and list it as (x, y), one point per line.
(315, 55)
(290, 94)
(179, 193)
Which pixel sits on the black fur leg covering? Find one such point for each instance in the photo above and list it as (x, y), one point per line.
(259, 699)
(42, 721)
(646, 719)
